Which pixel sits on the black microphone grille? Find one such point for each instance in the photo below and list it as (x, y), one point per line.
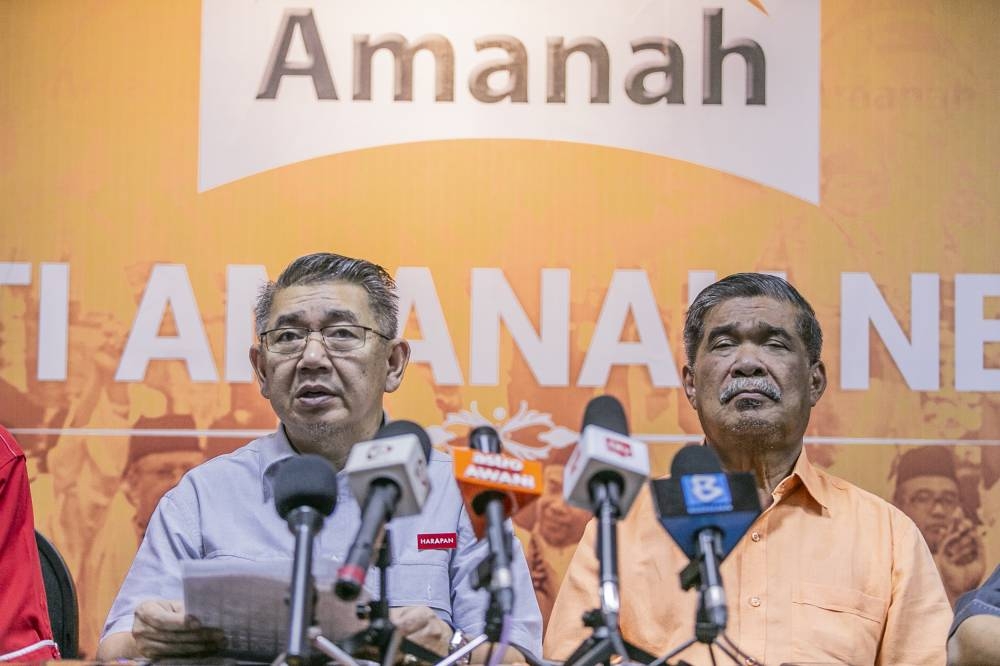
(695, 459)
(305, 480)
(402, 427)
(485, 439)
(606, 412)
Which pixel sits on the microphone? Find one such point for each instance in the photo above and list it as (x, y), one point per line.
(495, 486)
(706, 512)
(305, 492)
(484, 472)
(604, 474)
(605, 455)
(388, 476)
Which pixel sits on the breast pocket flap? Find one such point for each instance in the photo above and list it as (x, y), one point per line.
(841, 599)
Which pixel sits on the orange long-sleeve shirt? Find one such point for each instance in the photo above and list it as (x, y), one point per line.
(828, 573)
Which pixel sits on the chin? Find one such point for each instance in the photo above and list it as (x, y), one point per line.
(753, 424)
(320, 430)
(758, 433)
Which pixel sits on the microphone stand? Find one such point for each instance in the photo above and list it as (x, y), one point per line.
(305, 522)
(711, 616)
(381, 633)
(606, 641)
(302, 607)
(500, 606)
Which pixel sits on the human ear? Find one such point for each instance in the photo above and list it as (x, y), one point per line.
(817, 382)
(396, 362)
(258, 362)
(689, 389)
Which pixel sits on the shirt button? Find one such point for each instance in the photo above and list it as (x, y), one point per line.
(755, 601)
(755, 536)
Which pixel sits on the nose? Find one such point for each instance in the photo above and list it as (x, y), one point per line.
(938, 508)
(315, 354)
(747, 364)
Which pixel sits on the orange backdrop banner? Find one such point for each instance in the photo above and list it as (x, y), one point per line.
(550, 184)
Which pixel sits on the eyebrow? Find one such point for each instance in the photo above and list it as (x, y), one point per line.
(330, 316)
(760, 330)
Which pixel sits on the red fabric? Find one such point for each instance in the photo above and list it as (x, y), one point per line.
(24, 615)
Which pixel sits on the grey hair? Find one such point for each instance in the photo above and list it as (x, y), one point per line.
(328, 267)
(749, 285)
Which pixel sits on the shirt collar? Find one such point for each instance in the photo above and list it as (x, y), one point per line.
(803, 473)
(275, 448)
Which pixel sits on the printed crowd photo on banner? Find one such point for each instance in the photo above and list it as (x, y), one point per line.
(550, 186)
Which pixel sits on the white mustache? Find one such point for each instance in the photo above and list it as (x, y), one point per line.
(761, 385)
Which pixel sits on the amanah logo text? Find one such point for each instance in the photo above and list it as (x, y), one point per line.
(731, 85)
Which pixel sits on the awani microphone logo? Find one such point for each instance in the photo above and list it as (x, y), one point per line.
(498, 469)
(731, 85)
(497, 460)
(438, 541)
(706, 493)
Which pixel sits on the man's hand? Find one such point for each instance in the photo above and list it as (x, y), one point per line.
(544, 578)
(422, 626)
(161, 629)
(961, 559)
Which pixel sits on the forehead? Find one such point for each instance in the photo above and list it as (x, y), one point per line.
(754, 312)
(321, 302)
(934, 483)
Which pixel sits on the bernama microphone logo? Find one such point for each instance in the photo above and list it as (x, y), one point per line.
(731, 85)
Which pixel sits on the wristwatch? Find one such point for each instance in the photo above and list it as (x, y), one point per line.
(457, 642)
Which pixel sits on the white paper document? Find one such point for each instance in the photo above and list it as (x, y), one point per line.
(247, 600)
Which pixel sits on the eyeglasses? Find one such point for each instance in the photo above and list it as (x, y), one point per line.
(926, 499)
(336, 338)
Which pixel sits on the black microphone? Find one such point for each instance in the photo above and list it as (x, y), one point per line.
(706, 512)
(492, 505)
(388, 476)
(604, 474)
(305, 492)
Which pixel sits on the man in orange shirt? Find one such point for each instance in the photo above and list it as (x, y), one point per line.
(828, 573)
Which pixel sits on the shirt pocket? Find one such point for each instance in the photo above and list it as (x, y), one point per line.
(837, 622)
(219, 554)
(421, 584)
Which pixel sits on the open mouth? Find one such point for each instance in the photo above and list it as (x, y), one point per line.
(313, 395)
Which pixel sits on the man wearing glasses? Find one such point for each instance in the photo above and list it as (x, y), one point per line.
(927, 491)
(326, 354)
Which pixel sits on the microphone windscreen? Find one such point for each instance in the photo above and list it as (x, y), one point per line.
(485, 439)
(606, 412)
(403, 427)
(305, 480)
(695, 459)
